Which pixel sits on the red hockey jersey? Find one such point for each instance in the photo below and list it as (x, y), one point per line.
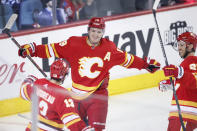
(186, 90)
(89, 65)
(56, 108)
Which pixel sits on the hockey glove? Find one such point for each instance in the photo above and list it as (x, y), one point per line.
(151, 65)
(27, 49)
(173, 71)
(165, 85)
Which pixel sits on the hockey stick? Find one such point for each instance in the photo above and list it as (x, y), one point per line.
(166, 62)
(24, 117)
(6, 30)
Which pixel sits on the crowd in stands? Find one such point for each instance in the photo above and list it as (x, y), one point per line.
(42, 13)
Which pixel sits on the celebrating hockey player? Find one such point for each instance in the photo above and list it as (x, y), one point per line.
(185, 84)
(56, 107)
(90, 57)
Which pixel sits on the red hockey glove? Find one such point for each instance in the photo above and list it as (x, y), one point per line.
(165, 85)
(151, 65)
(173, 71)
(30, 79)
(27, 49)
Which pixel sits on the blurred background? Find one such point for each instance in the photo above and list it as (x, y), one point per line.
(42, 13)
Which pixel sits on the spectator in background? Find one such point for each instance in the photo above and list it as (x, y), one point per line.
(69, 8)
(27, 10)
(45, 17)
(89, 10)
(15, 5)
(72, 8)
(5, 12)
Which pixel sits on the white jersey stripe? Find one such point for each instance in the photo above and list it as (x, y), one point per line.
(77, 91)
(70, 118)
(23, 93)
(128, 60)
(45, 127)
(51, 52)
(185, 109)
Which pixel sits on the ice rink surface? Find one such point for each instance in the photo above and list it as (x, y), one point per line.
(144, 110)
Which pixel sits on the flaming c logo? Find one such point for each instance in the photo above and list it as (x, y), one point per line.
(85, 65)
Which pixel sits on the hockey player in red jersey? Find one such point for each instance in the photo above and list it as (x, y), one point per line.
(90, 57)
(185, 84)
(56, 107)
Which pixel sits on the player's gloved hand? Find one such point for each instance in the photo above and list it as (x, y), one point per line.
(151, 65)
(165, 85)
(88, 128)
(173, 71)
(30, 79)
(27, 49)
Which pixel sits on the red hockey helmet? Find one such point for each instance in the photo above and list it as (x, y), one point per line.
(188, 38)
(59, 69)
(97, 22)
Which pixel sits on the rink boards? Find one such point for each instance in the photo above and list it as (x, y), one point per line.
(134, 33)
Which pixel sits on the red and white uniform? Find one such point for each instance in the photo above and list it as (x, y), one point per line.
(90, 72)
(89, 67)
(56, 108)
(186, 92)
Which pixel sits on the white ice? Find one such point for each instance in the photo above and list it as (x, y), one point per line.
(144, 110)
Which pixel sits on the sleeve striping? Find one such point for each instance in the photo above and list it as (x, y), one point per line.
(126, 59)
(47, 51)
(23, 92)
(131, 61)
(54, 50)
(73, 122)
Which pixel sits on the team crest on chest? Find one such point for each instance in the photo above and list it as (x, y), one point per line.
(85, 65)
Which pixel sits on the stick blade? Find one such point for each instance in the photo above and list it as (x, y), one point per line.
(11, 21)
(156, 4)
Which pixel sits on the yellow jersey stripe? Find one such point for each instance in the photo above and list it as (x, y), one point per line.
(54, 50)
(81, 97)
(47, 51)
(72, 122)
(188, 116)
(126, 59)
(85, 88)
(188, 103)
(68, 114)
(131, 61)
(25, 92)
(49, 122)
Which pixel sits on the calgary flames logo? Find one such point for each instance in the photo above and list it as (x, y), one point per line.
(85, 65)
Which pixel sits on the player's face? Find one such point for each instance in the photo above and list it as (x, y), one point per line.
(182, 48)
(95, 35)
